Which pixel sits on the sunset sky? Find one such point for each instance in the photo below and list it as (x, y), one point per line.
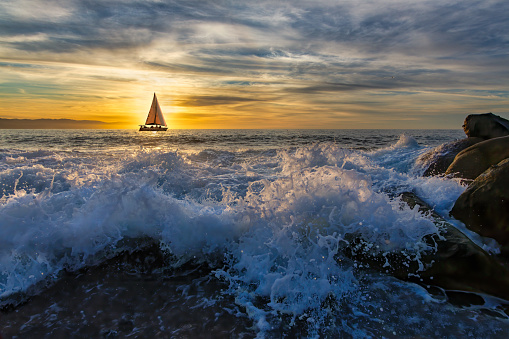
(256, 64)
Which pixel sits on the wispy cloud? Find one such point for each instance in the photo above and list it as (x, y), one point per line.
(201, 100)
(336, 60)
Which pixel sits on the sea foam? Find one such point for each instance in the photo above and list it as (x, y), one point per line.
(275, 225)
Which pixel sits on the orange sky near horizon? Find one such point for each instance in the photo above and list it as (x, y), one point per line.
(188, 101)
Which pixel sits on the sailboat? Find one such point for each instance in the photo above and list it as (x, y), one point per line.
(155, 119)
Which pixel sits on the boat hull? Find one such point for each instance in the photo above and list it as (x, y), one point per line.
(153, 128)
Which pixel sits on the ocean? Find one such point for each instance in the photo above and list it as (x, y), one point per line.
(223, 233)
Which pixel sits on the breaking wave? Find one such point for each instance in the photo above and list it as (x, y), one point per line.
(276, 226)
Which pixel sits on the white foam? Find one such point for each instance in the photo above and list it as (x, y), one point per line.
(73, 226)
(275, 227)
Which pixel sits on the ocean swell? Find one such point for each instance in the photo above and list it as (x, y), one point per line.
(278, 228)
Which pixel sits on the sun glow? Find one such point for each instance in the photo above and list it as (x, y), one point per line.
(278, 65)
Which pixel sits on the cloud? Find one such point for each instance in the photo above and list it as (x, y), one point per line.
(200, 100)
(337, 87)
(275, 53)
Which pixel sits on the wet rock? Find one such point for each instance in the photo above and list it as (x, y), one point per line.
(437, 160)
(484, 206)
(464, 299)
(474, 160)
(486, 126)
(457, 263)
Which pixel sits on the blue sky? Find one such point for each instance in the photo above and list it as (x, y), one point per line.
(256, 64)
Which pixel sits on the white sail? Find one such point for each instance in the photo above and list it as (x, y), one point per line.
(155, 115)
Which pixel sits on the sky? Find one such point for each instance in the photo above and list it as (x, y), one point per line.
(256, 64)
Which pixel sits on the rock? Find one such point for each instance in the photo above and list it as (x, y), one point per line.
(459, 264)
(437, 160)
(484, 206)
(474, 160)
(486, 126)
(456, 264)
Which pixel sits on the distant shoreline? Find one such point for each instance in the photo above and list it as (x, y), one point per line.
(53, 124)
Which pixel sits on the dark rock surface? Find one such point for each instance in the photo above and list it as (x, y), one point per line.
(476, 159)
(455, 263)
(486, 126)
(437, 160)
(484, 206)
(459, 264)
